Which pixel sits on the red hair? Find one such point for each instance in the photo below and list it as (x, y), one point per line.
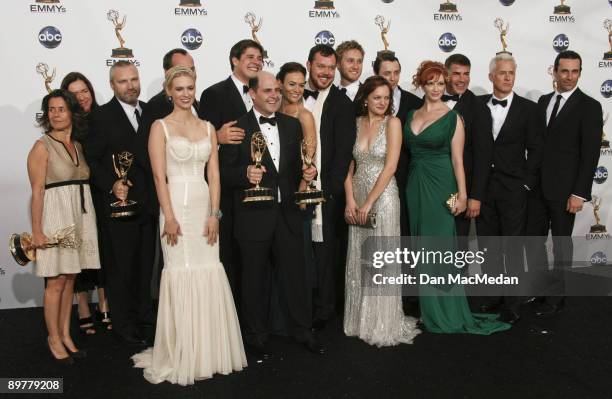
(428, 70)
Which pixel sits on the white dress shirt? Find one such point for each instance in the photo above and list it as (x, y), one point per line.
(397, 99)
(499, 113)
(450, 103)
(246, 98)
(553, 99)
(351, 89)
(272, 142)
(130, 112)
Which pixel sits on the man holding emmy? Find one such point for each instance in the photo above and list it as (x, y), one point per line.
(478, 147)
(222, 104)
(388, 66)
(335, 118)
(271, 227)
(517, 154)
(112, 140)
(572, 123)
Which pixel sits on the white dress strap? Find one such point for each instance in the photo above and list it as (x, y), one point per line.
(165, 129)
(208, 124)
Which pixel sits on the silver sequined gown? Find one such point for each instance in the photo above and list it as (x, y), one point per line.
(375, 313)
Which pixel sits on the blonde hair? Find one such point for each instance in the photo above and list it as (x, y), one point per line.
(175, 72)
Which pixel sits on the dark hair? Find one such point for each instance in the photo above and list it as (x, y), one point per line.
(349, 45)
(239, 48)
(324, 50)
(167, 62)
(79, 126)
(567, 55)
(73, 77)
(428, 70)
(372, 83)
(290, 67)
(459, 59)
(384, 56)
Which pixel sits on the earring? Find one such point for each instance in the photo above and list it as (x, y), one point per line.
(365, 105)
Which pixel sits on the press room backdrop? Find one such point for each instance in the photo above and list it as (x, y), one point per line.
(77, 35)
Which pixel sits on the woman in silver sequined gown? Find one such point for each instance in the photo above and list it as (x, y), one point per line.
(374, 312)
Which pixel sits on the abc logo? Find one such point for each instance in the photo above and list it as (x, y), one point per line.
(560, 43)
(606, 89)
(50, 37)
(447, 42)
(506, 2)
(601, 174)
(191, 39)
(325, 37)
(599, 258)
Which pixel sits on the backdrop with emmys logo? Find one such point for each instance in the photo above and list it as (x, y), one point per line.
(43, 40)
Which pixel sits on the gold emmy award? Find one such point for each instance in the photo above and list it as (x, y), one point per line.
(250, 18)
(605, 143)
(258, 149)
(551, 72)
(503, 32)
(121, 51)
(562, 8)
(448, 7)
(380, 22)
(190, 3)
(324, 5)
(608, 26)
(20, 245)
(122, 164)
(597, 227)
(312, 195)
(43, 69)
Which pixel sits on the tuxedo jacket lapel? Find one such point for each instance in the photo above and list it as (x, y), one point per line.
(571, 102)
(126, 125)
(282, 127)
(267, 159)
(234, 97)
(512, 114)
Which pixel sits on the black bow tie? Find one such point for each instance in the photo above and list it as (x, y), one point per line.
(453, 97)
(495, 101)
(343, 90)
(245, 89)
(271, 121)
(309, 93)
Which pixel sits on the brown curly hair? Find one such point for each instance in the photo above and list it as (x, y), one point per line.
(372, 83)
(428, 70)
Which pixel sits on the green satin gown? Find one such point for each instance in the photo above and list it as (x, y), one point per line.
(431, 180)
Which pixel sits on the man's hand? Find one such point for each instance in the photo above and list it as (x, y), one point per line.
(309, 173)
(473, 208)
(574, 204)
(255, 174)
(230, 134)
(120, 189)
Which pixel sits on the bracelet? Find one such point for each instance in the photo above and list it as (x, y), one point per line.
(216, 214)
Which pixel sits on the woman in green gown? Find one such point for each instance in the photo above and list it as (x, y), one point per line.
(434, 135)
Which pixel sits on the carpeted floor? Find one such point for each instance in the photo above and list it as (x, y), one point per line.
(575, 362)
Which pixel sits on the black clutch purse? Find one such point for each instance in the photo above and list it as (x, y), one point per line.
(370, 221)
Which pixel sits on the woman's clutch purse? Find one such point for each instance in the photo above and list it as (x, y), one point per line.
(451, 201)
(370, 221)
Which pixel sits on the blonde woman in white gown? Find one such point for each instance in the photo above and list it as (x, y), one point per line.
(197, 332)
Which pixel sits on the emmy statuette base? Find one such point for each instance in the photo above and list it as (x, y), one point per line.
(381, 52)
(448, 7)
(607, 55)
(605, 144)
(598, 228)
(324, 5)
(562, 9)
(122, 209)
(258, 194)
(122, 53)
(17, 245)
(190, 3)
(310, 196)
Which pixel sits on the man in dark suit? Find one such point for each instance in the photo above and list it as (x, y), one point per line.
(478, 147)
(517, 154)
(271, 229)
(389, 67)
(222, 104)
(113, 129)
(350, 65)
(572, 122)
(334, 114)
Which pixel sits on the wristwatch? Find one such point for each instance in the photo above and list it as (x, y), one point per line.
(217, 214)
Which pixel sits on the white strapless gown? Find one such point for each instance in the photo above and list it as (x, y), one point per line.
(197, 333)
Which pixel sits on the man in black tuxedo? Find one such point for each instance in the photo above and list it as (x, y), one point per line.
(350, 65)
(572, 122)
(517, 154)
(222, 104)
(388, 66)
(113, 129)
(334, 114)
(271, 229)
(478, 147)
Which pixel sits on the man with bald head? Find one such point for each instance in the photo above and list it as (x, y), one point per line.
(112, 130)
(269, 229)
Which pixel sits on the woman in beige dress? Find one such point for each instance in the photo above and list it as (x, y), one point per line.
(61, 199)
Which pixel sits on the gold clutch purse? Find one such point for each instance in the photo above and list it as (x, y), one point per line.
(451, 201)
